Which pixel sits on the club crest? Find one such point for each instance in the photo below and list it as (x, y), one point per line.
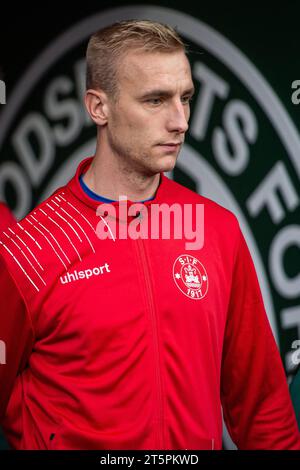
(190, 277)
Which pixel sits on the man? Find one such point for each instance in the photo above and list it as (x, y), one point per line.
(119, 341)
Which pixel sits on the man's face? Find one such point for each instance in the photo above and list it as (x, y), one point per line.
(152, 110)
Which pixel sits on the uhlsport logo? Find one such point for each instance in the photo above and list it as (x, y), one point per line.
(242, 149)
(190, 277)
(85, 274)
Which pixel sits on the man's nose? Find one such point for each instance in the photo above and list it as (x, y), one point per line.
(178, 118)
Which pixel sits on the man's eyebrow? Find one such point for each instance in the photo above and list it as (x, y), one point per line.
(190, 91)
(161, 92)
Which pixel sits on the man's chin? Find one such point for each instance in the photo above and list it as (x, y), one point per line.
(161, 165)
(166, 163)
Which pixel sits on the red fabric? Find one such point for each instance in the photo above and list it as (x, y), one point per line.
(123, 358)
(6, 217)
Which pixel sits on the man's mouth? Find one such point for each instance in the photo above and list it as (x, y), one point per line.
(171, 145)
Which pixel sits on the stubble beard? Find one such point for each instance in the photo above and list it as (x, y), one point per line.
(128, 159)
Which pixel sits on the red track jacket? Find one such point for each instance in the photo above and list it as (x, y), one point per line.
(135, 344)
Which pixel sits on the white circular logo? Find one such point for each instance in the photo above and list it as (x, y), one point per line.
(190, 277)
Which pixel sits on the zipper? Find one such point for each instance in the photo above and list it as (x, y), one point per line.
(149, 290)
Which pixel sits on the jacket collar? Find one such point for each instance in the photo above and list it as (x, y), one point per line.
(75, 187)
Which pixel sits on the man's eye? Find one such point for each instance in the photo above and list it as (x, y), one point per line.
(154, 101)
(187, 99)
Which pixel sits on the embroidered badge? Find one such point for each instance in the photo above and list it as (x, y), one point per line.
(190, 277)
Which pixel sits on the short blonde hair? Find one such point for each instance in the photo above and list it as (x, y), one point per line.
(107, 46)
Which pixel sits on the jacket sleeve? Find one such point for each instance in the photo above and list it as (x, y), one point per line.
(255, 398)
(16, 335)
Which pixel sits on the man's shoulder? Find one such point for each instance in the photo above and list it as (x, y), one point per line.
(29, 222)
(214, 210)
(33, 246)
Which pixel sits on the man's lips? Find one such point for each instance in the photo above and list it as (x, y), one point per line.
(171, 145)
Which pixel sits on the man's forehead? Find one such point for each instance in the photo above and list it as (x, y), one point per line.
(155, 66)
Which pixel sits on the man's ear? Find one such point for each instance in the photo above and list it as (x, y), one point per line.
(96, 102)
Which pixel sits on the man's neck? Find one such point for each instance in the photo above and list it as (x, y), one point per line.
(111, 181)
